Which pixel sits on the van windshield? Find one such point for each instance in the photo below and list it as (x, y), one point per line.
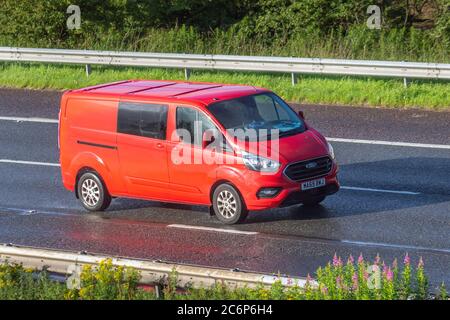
(257, 117)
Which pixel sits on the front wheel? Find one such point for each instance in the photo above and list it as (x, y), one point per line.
(313, 201)
(228, 205)
(92, 192)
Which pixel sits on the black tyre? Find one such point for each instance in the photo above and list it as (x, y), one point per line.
(92, 192)
(228, 205)
(313, 201)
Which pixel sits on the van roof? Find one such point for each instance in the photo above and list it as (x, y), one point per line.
(195, 92)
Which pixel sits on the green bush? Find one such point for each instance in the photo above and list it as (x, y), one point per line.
(106, 282)
(18, 283)
(411, 30)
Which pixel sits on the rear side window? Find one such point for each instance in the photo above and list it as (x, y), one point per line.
(143, 119)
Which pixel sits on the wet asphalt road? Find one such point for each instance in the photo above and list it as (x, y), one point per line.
(292, 241)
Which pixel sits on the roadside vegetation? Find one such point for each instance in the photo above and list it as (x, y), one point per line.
(338, 280)
(309, 89)
(414, 30)
(410, 30)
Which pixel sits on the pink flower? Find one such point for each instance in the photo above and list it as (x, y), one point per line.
(420, 265)
(337, 262)
(360, 259)
(365, 276)
(389, 275)
(407, 260)
(395, 264)
(355, 281)
(377, 259)
(350, 260)
(339, 282)
(385, 269)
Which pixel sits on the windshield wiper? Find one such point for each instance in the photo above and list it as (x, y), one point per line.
(290, 132)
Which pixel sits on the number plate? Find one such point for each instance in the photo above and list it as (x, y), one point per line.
(313, 184)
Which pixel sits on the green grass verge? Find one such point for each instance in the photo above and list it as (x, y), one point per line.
(352, 91)
(339, 280)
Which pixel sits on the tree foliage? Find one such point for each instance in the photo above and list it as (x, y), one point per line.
(43, 23)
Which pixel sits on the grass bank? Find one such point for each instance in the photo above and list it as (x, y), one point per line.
(352, 91)
(339, 280)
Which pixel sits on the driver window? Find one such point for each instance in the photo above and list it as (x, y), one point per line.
(194, 122)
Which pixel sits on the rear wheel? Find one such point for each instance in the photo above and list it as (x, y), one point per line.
(313, 201)
(92, 192)
(228, 205)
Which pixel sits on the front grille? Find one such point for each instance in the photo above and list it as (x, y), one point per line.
(308, 169)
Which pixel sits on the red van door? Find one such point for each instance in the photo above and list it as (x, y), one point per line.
(191, 176)
(142, 147)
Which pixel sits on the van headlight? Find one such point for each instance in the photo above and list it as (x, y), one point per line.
(331, 151)
(258, 163)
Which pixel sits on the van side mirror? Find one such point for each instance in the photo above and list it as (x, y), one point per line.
(301, 115)
(208, 138)
(177, 138)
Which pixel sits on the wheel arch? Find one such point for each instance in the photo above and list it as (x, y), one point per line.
(88, 161)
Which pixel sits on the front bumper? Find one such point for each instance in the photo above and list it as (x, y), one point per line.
(297, 197)
(290, 193)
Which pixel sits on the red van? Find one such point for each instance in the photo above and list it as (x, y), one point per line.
(230, 147)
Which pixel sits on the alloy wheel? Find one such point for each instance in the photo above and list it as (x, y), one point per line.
(226, 204)
(90, 192)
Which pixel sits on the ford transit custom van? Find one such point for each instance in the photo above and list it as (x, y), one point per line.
(233, 148)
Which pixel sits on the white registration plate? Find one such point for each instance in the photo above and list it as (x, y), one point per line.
(313, 184)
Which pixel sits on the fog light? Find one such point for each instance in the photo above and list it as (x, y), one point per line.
(268, 192)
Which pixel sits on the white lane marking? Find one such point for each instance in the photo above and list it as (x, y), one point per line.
(223, 230)
(380, 190)
(396, 246)
(360, 141)
(391, 143)
(183, 226)
(31, 163)
(20, 119)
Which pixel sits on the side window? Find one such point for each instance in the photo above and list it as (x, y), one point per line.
(143, 119)
(206, 125)
(186, 118)
(282, 112)
(195, 123)
(154, 122)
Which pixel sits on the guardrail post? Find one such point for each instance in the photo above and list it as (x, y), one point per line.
(187, 73)
(88, 70)
(405, 82)
(158, 291)
(294, 79)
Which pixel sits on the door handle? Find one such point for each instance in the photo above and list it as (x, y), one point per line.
(159, 145)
